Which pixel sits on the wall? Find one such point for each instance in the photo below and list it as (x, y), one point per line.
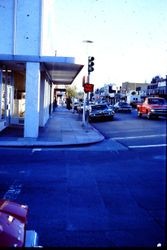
(22, 29)
(6, 26)
(48, 28)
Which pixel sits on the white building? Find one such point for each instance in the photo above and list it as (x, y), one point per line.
(29, 69)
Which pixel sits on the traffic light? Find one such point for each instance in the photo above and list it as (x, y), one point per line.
(90, 64)
(110, 89)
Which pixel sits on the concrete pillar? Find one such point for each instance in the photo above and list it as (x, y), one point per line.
(47, 100)
(31, 121)
(52, 96)
(44, 102)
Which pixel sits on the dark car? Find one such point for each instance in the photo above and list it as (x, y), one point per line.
(100, 111)
(122, 107)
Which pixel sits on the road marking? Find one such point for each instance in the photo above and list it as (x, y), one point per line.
(148, 146)
(13, 191)
(136, 137)
(36, 150)
(3, 172)
(160, 157)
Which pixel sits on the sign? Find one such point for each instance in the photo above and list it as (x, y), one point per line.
(162, 84)
(88, 87)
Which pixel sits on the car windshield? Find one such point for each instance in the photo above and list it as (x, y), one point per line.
(157, 101)
(99, 107)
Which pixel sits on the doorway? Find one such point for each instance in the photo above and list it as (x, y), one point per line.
(6, 97)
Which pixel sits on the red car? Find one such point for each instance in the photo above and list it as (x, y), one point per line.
(13, 220)
(152, 107)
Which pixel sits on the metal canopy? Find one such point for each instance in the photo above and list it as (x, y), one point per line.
(60, 70)
(62, 73)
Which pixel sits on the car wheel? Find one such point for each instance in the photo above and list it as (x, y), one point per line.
(149, 115)
(139, 114)
(89, 119)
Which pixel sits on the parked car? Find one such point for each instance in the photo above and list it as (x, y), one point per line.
(122, 107)
(80, 108)
(100, 111)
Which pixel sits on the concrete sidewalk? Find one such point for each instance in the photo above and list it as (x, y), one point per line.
(64, 128)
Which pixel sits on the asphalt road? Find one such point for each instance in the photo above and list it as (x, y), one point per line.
(134, 132)
(91, 196)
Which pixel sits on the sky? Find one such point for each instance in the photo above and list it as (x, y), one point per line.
(129, 38)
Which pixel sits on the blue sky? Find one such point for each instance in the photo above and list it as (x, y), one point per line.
(129, 38)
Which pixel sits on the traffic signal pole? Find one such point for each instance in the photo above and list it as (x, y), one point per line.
(87, 42)
(90, 69)
(85, 113)
(87, 103)
(85, 117)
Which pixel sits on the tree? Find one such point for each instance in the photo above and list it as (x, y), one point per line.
(71, 91)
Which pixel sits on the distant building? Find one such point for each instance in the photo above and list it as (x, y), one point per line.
(133, 86)
(29, 69)
(158, 88)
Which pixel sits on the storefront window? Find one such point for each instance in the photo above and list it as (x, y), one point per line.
(5, 94)
(2, 100)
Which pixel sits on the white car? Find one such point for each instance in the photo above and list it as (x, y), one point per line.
(122, 106)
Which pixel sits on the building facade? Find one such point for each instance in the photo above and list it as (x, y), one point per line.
(127, 87)
(29, 69)
(158, 88)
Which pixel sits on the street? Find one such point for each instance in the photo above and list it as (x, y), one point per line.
(91, 196)
(134, 132)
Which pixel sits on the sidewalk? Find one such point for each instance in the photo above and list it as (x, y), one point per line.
(64, 128)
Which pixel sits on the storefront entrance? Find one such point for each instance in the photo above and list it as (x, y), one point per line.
(6, 97)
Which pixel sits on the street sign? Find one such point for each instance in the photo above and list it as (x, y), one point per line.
(88, 87)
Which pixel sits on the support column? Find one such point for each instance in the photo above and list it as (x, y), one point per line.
(44, 98)
(42, 102)
(31, 121)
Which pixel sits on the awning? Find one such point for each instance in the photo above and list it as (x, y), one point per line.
(62, 73)
(60, 70)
